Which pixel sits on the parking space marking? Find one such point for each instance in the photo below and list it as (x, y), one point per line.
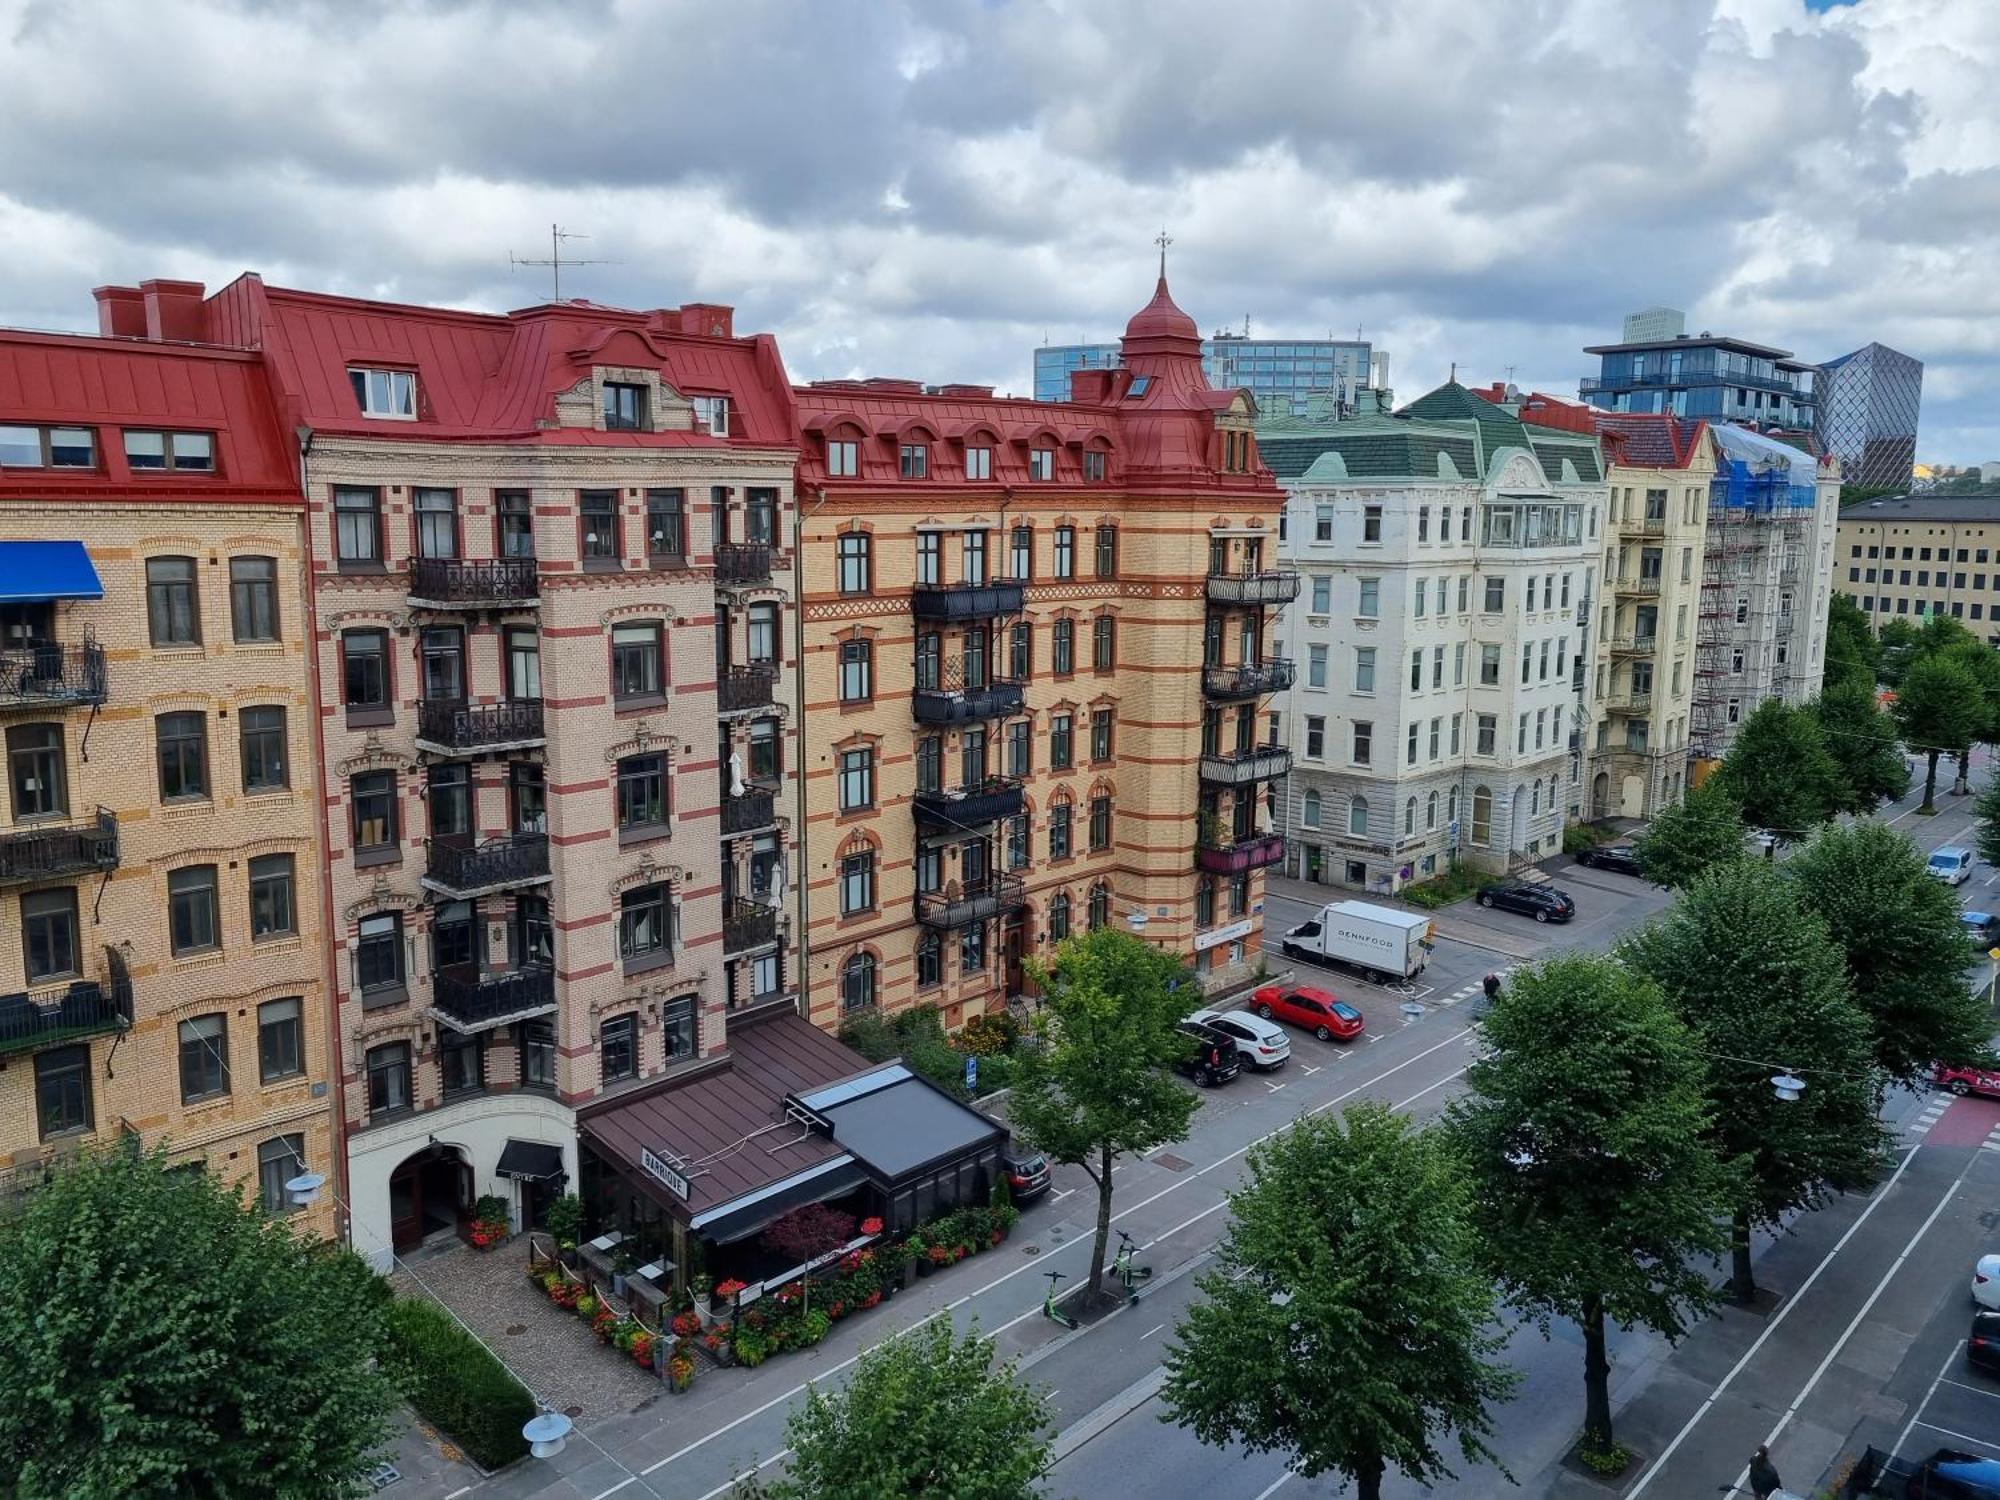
(1058, 1197)
(1977, 1390)
(1273, 1087)
(1963, 1437)
(1903, 1437)
(1314, 1069)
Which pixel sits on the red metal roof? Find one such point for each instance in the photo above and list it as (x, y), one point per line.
(113, 383)
(1651, 440)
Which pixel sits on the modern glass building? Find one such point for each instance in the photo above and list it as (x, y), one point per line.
(1867, 407)
(1721, 379)
(1277, 372)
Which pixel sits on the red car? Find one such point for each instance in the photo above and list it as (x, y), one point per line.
(1316, 1010)
(1960, 1080)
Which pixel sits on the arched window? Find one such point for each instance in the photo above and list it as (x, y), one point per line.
(1100, 905)
(1059, 917)
(1535, 798)
(1309, 810)
(1410, 817)
(1357, 817)
(1482, 816)
(1451, 805)
(857, 982)
(1431, 813)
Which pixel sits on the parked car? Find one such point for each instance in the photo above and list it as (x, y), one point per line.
(1318, 1011)
(1982, 1345)
(1986, 1282)
(1263, 1043)
(1619, 859)
(1964, 1080)
(1027, 1172)
(1982, 927)
(1951, 864)
(1211, 1056)
(1949, 1474)
(1542, 902)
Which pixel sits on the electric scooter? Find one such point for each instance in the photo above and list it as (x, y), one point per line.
(1125, 1271)
(1049, 1309)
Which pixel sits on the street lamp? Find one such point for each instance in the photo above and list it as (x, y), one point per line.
(304, 1189)
(546, 1433)
(1788, 1086)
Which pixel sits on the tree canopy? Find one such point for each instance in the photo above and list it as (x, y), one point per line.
(1760, 982)
(1586, 1132)
(1865, 746)
(1941, 709)
(1699, 833)
(1780, 772)
(1350, 1265)
(1098, 1086)
(165, 1339)
(1905, 948)
(1853, 655)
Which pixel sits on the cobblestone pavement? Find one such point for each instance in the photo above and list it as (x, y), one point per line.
(549, 1350)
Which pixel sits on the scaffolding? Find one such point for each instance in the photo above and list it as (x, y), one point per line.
(1760, 520)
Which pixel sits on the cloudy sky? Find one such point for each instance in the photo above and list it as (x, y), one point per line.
(930, 189)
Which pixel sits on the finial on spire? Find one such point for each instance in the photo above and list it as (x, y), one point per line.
(1454, 373)
(1163, 239)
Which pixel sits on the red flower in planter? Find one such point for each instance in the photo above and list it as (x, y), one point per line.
(871, 1227)
(642, 1350)
(996, 1237)
(871, 1299)
(836, 1309)
(686, 1325)
(940, 1255)
(726, 1290)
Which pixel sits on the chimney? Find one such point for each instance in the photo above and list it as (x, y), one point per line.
(121, 312)
(174, 310)
(708, 320)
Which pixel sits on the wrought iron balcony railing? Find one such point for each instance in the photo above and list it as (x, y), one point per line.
(748, 924)
(1271, 586)
(972, 806)
(32, 1020)
(1250, 679)
(742, 564)
(464, 870)
(48, 851)
(458, 728)
(979, 901)
(468, 1001)
(947, 700)
(1246, 767)
(738, 688)
(748, 813)
(49, 674)
(1235, 856)
(460, 583)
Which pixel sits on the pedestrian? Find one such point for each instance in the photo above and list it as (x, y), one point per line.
(1764, 1480)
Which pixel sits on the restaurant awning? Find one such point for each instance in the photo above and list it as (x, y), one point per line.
(36, 572)
(532, 1161)
(745, 1216)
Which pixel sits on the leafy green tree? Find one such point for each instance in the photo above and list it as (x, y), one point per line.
(1853, 655)
(1983, 662)
(1986, 831)
(1905, 947)
(1762, 985)
(1940, 707)
(165, 1339)
(1585, 1133)
(1098, 1086)
(1686, 841)
(1865, 746)
(1351, 1266)
(1857, 494)
(1780, 772)
(926, 1415)
(1901, 643)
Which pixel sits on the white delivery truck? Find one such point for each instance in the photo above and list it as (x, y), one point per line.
(1378, 941)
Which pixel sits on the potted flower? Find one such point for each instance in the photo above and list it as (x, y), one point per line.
(700, 1288)
(872, 1228)
(641, 1349)
(722, 1299)
(685, 1325)
(586, 1306)
(604, 1323)
(564, 1223)
(680, 1373)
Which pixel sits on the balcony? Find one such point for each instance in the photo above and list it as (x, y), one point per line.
(741, 688)
(468, 1001)
(1650, 526)
(969, 905)
(952, 703)
(1633, 645)
(462, 871)
(965, 601)
(30, 1021)
(1246, 767)
(748, 924)
(1226, 856)
(752, 812)
(47, 674)
(49, 851)
(468, 728)
(1250, 679)
(1276, 586)
(742, 565)
(1630, 704)
(967, 807)
(1645, 588)
(455, 583)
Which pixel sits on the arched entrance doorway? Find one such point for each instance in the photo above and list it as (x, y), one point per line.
(1600, 795)
(431, 1190)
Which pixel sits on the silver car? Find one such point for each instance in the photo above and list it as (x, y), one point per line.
(1265, 1045)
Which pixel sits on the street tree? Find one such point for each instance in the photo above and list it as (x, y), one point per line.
(1983, 662)
(1901, 643)
(1780, 772)
(1941, 709)
(1865, 746)
(1350, 1270)
(1097, 1085)
(1758, 979)
(1585, 1130)
(165, 1338)
(1853, 655)
(1986, 830)
(927, 1415)
(1904, 945)
(1685, 841)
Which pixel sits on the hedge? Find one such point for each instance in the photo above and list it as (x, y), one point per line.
(455, 1384)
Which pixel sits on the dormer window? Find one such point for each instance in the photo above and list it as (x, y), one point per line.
(714, 411)
(624, 407)
(185, 452)
(1093, 466)
(48, 448)
(913, 461)
(385, 393)
(1041, 463)
(843, 458)
(978, 463)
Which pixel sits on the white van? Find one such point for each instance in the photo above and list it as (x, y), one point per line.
(1951, 864)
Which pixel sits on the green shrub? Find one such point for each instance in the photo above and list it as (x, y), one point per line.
(872, 1036)
(1581, 836)
(565, 1219)
(1605, 1461)
(1442, 890)
(455, 1384)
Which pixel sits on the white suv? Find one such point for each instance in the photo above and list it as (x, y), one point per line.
(1265, 1045)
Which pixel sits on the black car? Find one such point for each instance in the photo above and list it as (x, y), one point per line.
(1026, 1170)
(1542, 902)
(1982, 1345)
(1211, 1057)
(1620, 859)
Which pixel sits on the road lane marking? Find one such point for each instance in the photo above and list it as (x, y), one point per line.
(1963, 1437)
(1951, 1358)
(1058, 1197)
(1151, 1331)
(723, 1489)
(1275, 1485)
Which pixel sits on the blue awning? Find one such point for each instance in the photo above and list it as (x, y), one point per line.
(34, 572)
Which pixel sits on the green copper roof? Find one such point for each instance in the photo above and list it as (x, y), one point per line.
(1448, 433)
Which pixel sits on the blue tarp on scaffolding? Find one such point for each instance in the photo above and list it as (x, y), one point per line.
(1761, 475)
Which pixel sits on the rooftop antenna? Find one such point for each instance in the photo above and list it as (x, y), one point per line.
(1453, 380)
(1510, 373)
(1246, 325)
(1163, 239)
(555, 260)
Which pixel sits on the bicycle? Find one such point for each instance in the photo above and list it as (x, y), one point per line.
(1125, 1271)
(1049, 1309)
